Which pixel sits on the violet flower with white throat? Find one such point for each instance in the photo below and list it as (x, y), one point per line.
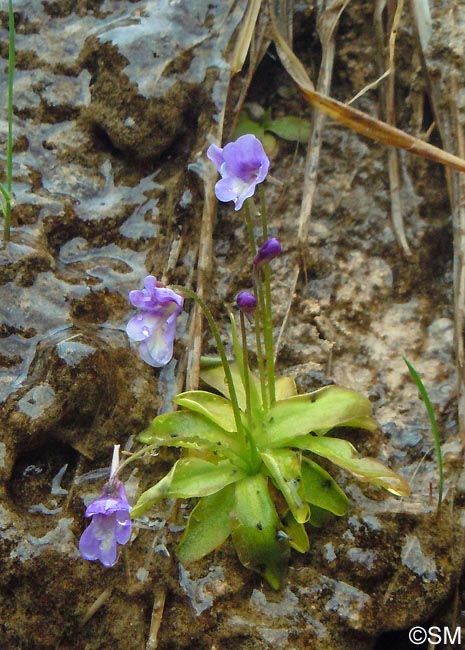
(111, 522)
(242, 165)
(154, 327)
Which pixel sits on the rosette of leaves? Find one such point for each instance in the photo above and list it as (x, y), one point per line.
(262, 485)
(288, 127)
(261, 124)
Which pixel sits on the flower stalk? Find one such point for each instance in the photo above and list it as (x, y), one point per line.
(245, 363)
(263, 212)
(268, 335)
(224, 360)
(248, 224)
(270, 249)
(260, 359)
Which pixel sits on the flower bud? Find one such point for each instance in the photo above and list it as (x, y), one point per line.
(246, 302)
(267, 252)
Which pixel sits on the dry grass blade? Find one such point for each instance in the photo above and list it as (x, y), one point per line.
(459, 265)
(357, 120)
(393, 154)
(204, 271)
(326, 24)
(396, 205)
(283, 15)
(378, 19)
(157, 616)
(449, 121)
(371, 86)
(245, 37)
(388, 98)
(207, 174)
(422, 19)
(258, 47)
(96, 605)
(380, 131)
(289, 60)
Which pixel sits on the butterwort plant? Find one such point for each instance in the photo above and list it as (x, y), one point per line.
(251, 442)
(255, 470)
(253, 449)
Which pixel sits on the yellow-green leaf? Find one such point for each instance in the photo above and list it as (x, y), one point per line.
(285, 387)
(189, 477)
(319, 516)
(298, 538)
(291, 128)
(255, 525)
(208, 527)
(192, 430)
(344, 454)
(214, 407)
(246, 126)
(212, 373)
(321, 490)
(283, 466)
(320, 411)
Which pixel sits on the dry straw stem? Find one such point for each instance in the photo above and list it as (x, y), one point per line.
(394, 10)
(443, 95)
(204, 270)
(205, 252)
(459, 264)
(157, 616)
(245, 36)
(357, 120)
(326, 25)
(253, 38)
(96, 605)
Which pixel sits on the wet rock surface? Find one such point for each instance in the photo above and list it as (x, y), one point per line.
(111, 100)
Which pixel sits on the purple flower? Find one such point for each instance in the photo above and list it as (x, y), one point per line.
(246, 302)
(154, 328)
(267, 252)
(242, 165)
(110, 525)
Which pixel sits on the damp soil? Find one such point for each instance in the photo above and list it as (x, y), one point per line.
(113, 103)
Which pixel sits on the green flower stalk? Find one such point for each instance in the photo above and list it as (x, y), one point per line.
(267, 252)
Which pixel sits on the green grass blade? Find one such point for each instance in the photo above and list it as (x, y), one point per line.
(433, 423)
(4, 193)
(9, 144)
